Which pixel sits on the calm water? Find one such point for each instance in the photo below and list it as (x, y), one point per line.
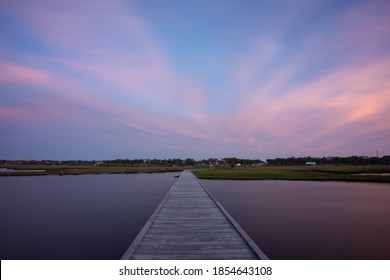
(98, 216)
(310, 220)
(76, 217)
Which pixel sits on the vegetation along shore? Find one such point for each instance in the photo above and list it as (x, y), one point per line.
(366, 173)
(354, 169)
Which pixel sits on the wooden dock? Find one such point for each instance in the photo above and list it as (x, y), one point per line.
(190, 224)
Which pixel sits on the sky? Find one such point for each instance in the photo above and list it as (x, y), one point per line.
(107, 79)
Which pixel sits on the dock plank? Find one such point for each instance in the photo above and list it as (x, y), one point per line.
(190, 224)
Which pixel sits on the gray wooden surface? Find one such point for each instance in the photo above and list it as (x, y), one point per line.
(190, 224)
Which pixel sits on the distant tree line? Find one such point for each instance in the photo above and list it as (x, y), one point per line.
(210, 162)
(352, 160)
(228, 162)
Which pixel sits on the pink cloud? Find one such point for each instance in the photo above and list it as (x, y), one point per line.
(12, 73)
(339, 110)
(120, 52)
(11, 114)
(121, 55)
(347, 103)
(120, 76)
(74, 103)
(144, 74)
(79, 24)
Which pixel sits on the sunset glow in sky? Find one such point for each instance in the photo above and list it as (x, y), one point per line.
(106, 79)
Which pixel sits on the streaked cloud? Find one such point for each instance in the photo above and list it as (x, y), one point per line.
(12, 73)
(313, 78)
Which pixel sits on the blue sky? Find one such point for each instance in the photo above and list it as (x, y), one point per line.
(167, 79)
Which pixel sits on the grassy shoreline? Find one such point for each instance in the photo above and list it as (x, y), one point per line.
(300, 173)
(81, 170)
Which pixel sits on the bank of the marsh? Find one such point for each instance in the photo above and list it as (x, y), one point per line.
(79, 170)
(365, 173)
(311, 173)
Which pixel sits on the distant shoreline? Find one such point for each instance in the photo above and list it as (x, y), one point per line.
(41, 170)
(357, 173)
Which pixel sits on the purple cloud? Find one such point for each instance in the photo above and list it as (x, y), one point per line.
(312, 79)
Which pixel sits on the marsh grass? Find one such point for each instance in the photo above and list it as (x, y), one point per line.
(80, 170)
(311, 173)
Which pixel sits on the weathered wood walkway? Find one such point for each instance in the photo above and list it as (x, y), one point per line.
(190, 224)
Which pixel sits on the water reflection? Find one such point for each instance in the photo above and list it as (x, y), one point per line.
(76, 217)
(311, 220)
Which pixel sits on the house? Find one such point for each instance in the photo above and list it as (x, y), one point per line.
(98, 163)
(311, 163)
